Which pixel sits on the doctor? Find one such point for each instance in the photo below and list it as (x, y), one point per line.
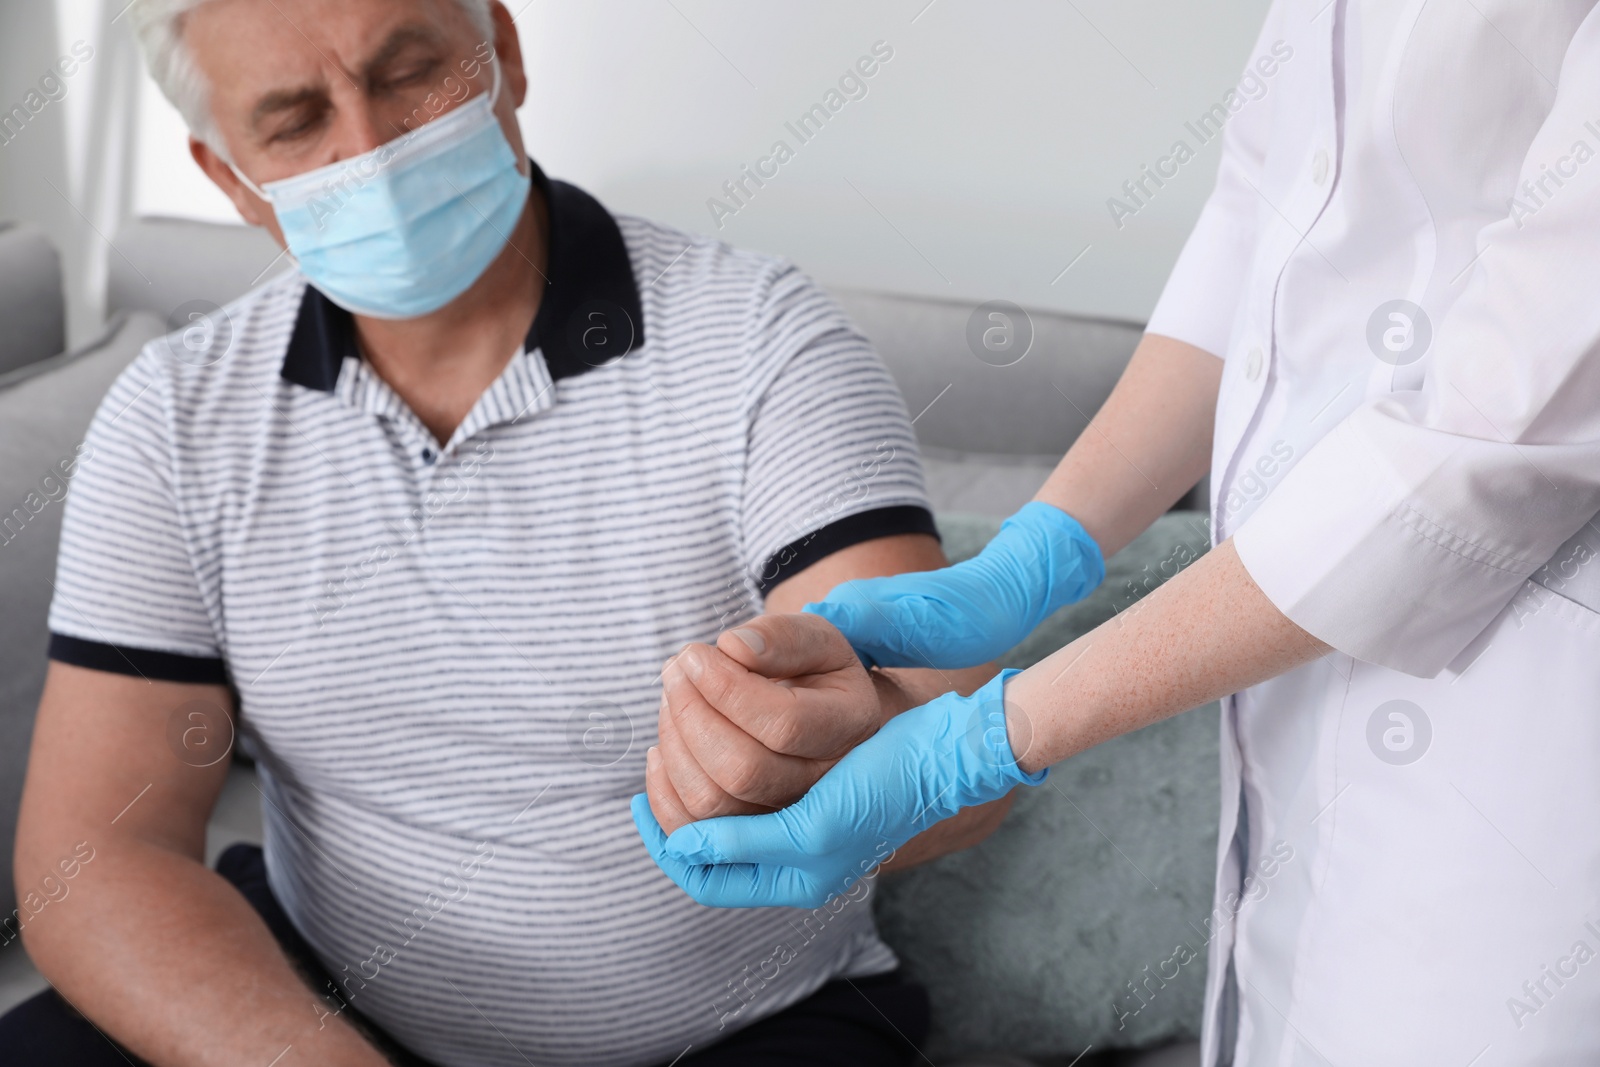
(1385, 331)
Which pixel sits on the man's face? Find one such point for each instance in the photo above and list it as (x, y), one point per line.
(298, 84)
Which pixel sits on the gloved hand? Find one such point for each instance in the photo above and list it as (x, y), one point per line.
(923, 767)
(976, 610)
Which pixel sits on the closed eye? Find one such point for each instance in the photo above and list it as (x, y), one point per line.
(299, 127)
(407, 78)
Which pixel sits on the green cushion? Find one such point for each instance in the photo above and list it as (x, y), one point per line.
(1026, 942)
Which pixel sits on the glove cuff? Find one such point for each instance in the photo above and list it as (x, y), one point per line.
(1076, 566)
(991, 764)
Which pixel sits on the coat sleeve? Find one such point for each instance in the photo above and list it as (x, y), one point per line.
(1205, 287)
(1403, 533)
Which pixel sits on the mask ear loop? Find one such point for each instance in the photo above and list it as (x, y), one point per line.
(494, 99)
(262, 193)
(246, 182)
(494, 92)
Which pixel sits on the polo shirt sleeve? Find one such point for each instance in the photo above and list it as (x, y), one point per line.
(831, 459)
(127, 595)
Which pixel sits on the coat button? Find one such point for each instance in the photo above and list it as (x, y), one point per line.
(1319, 167)
(1252, 366)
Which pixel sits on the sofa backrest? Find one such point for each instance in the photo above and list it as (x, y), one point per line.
(32, 305)
(1022, 402)
(992, 421)
(169, 264)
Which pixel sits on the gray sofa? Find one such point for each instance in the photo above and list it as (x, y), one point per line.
(1027, 942)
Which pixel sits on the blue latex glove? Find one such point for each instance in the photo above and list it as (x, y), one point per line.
(977, 610)
(921, 768)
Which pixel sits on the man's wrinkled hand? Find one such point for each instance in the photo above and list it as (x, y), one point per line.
(749, 725)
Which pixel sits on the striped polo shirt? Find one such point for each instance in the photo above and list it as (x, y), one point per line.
(447, 656)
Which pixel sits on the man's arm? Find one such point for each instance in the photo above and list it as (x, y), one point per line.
(155, 949)
(790, 732)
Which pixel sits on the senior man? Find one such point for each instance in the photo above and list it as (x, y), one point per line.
(423, 519)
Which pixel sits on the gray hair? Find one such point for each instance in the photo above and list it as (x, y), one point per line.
(158, 24)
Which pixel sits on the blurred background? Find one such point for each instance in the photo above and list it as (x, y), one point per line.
(976, 167)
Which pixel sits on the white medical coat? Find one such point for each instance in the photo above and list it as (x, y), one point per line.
(1400, 266)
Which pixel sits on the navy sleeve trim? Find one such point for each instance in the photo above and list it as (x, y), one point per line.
(795, 557)
(139, 662)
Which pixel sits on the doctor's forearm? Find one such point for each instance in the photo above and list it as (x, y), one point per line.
(1146, 446)
(1207, 633)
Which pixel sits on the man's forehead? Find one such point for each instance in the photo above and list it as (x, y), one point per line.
(264, 45)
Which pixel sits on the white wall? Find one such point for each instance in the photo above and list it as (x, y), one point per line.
(977, 166)
(65, 168)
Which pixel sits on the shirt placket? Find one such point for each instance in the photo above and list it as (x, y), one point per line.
(361, 388)
(523, 390)
(1291, 208)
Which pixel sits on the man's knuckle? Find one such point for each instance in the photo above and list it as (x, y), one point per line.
(701, 799)
(786, 734)
(744, 779)
(754, 709)
(715, 685)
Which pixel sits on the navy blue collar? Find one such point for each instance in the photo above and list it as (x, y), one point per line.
(590, 313)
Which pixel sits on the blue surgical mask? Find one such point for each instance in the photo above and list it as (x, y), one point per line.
(403, 230)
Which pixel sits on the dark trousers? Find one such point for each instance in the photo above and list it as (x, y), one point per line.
(864, 1022)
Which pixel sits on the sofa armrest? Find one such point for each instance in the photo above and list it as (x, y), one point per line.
(32, 305)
